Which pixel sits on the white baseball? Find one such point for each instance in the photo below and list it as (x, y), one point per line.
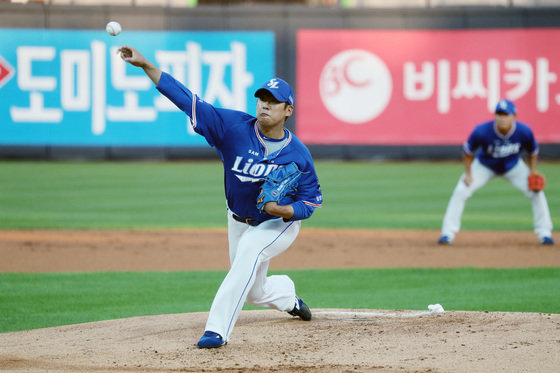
(113, 28)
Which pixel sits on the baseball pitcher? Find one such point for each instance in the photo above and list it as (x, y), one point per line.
(270, 186)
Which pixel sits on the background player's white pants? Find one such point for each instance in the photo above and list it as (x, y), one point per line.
(250, 251)
(481, 174)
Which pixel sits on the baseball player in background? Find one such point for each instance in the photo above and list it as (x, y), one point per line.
(252, 150)
(499, 143)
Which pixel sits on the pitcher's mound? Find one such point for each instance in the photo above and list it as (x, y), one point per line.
(271, 341)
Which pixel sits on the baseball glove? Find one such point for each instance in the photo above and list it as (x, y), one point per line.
(536, 182)
(278, 184)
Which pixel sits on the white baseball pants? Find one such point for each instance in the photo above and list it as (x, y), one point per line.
(481, 174)
(250, 251)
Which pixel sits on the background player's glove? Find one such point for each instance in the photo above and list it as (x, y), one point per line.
(278, 184)
(536, 182)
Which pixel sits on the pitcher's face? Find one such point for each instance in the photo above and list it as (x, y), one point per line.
(271, 112)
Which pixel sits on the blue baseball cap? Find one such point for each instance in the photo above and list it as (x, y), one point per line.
(506, 106)
(279, 89)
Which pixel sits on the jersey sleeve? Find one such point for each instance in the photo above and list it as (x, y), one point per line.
(530, 143)
(206, 119)
(303, 209)
(309, 195)
(472, 142)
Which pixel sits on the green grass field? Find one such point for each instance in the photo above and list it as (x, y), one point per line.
(138, 195)
(29, 301)
(190, 194)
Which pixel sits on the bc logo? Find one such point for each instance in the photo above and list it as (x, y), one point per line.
(355, 86)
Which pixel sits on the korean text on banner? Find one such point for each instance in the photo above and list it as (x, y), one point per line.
(63, 87)
(423, 87)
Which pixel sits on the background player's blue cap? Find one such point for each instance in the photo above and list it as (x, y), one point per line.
(506, 106)
(279, 89)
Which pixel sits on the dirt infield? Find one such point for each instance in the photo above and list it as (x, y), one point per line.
(177, 250)
(271, 341)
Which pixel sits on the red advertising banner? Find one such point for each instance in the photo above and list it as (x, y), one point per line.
(367, 87)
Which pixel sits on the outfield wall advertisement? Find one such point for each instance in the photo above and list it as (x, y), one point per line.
(68, 87)
(367, 87)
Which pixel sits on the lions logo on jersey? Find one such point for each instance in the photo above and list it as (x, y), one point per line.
(251, 171)
(504, 150)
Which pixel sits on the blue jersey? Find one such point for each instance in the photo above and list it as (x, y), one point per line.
(241, 147)
(500, 152)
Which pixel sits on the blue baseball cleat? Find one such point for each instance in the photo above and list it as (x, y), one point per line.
(547, 241)
(301, 310)
(211, 340)
(444, 240)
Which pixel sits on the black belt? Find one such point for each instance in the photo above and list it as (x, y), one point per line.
(252, 222)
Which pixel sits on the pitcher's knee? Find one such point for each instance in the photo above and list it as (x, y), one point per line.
(255, 295)
(462, 192)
